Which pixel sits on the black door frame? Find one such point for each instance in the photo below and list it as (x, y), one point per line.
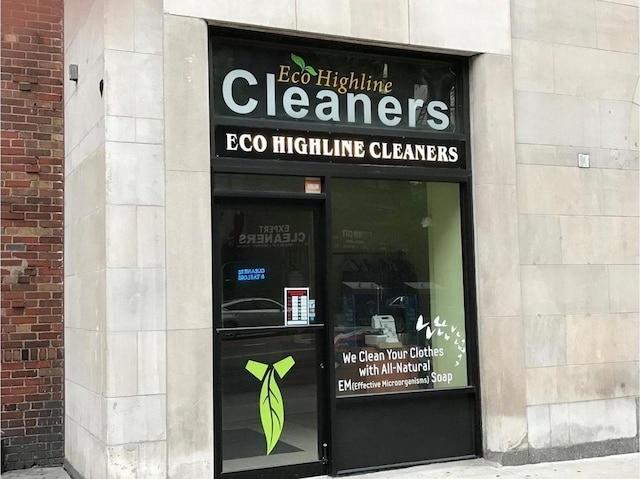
(315, 204)
(323, 202)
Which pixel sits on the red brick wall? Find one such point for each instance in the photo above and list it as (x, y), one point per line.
(31, 187)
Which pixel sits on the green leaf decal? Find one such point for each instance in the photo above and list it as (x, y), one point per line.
(282, 367)
(271, 410)
(298, 61)
(257, 369)
(271, 403)
(311, 70)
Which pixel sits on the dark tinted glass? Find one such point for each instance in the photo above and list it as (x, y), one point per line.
(268, 183)
(397, 297)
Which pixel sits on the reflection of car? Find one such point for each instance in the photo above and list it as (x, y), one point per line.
(250, 312)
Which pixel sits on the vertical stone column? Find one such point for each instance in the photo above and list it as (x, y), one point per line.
(189, 250)
(500, 326)
(134, 381)
(115, 249)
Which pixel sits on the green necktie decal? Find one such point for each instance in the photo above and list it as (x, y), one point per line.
(271, 403)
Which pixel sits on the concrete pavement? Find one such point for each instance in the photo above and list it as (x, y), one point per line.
(37, 473)
(624, 466)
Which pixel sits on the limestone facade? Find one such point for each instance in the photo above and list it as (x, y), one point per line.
(556, 246)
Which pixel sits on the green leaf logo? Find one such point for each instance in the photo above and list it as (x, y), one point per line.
(298, 61)
(271, 402)
(303, 66)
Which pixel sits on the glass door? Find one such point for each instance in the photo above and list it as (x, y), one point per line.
(269, 335)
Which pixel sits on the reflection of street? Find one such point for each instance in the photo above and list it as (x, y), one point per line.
(252, 312)
(272, 343)
(267, 349)
(241, 392)
(300, 430)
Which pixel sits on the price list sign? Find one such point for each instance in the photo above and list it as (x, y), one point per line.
(297, 306)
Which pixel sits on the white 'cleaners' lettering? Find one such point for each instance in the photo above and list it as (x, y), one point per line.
(327, 104)
(272, 238)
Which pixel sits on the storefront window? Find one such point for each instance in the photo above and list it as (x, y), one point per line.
(397, 297)
(326, 230)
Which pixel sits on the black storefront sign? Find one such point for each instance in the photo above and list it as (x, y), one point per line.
(335, 88)
(277, 144)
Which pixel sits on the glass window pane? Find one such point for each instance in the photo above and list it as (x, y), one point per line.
(287, 362)
(398, 302)
(265, 249)
(269, 382)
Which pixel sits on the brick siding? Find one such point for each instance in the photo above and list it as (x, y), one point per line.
(31, 188)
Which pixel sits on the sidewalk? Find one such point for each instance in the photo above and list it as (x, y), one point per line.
(625, 466)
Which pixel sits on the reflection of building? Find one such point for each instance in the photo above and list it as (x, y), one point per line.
(549, 241)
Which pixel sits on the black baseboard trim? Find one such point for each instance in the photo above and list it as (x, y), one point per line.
(569, 453)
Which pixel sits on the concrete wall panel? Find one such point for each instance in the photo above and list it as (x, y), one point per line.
(119, 25)
(587, 72)
(148, 34)
(539, 426)
(135, 174)
(617, 27)
(601, 420)
(152, 362)
(275, 14)
(551, 190)
(134, 419)
(437, 25)
(602, 338)
(620, 192)
(84, 451)
(540, 239)
(568, 22)
(624, 288)
(599, 240)
(121, 372)
(134, 83)
(190, 403)
(367, 20)
(545, 341)
(532, 66)
(136, 299)
(84, 364)
(557, 119)
(564, 289)
(84, 408)
(472, 26)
